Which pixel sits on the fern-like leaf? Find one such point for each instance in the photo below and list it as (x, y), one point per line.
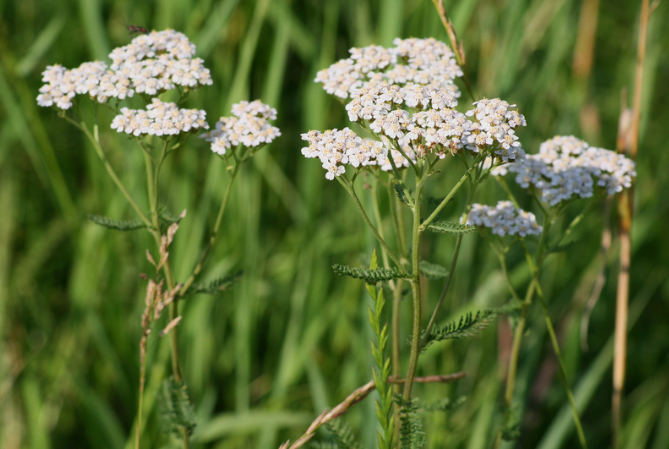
(342, 435)
(432, 270)
(510, 426)
(468, 326)
(118, 225)
(400, 194)
(370, 276)
(450, 227)
(216, 286)
(412, 434)
(176, 410)
(446, 404)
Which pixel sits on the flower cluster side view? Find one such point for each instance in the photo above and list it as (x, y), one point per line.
(152, 64)
(405, 101)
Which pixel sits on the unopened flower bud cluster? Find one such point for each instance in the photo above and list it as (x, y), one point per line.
(151, 64)
(567, 167)
(504, 219)
(248, 126)
(159, 119)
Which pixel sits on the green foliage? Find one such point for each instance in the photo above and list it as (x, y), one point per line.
(176, 410)
(381, 373)
(412, 433)
(216, 286)
(445, 404)
(469, 325)
(563, 247)
(371, 276)
(117, 225)
(511, 423)
(400, 193)
(433, 270)
(342, 437)
(450, 227)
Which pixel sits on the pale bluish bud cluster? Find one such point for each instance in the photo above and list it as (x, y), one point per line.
(151, 64)
(159, 119)
(248, 126)
(421, 61)
(567, 167)
(504, 219)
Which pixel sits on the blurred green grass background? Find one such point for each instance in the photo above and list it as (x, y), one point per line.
(291, 338)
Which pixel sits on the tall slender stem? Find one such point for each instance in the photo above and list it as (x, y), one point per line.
(451, 269)
(110, 170)
(416, 291)
(448, 197)
(214, 232)
(351, 191)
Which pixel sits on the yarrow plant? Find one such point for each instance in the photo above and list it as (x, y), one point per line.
(153, 64)
(405, 105)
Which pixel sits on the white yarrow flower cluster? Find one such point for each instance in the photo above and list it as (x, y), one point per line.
(336, 148)
(427, 62)
(159, 119)
(160, 61)
(92, 78)
(151, 64)
(504, 219)
(249, 126)
(568, 167)
(495, 124)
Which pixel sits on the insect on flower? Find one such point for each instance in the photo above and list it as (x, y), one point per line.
(135, 29)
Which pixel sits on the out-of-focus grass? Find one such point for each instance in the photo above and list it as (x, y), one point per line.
(291, 338)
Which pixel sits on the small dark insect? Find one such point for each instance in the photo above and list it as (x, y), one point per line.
(135, 29)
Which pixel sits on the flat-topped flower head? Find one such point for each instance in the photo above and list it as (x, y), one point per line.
(151, 64)
(337, 148)
(504, 219)
(494, 125)
(92, 78)
(567, 167)
(159, 119)
(427, 62)
(248, 126)
(160, 61)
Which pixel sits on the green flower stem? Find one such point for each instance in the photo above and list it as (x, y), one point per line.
(445, 201)
(525, 306)
(351, 191)
(563, 371)
(110, 170)
(379, 225)
(214, 233)
(416, 290)
(451, 269)
(577, 220)
(152, 184)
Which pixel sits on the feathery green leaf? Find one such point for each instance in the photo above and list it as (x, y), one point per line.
(433, 270)
(468, 326)
(118, 225)
(371, 276)
(450, 227)
(215, 286)
(175, 407)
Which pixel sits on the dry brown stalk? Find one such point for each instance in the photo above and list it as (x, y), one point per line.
(625, 213)
(357, 396)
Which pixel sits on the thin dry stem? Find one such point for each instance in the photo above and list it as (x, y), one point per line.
(357, 396)
(625, 213)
